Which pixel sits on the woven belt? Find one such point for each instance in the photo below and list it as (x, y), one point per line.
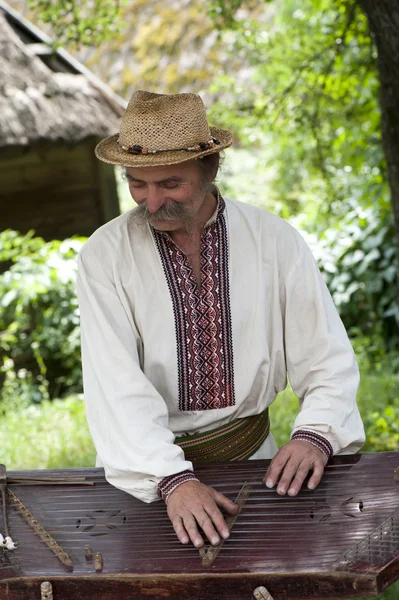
(237, 440)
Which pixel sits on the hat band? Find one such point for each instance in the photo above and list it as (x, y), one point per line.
(201, 147)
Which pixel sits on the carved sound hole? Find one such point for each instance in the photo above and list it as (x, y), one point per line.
(351, 507)
(101, 522)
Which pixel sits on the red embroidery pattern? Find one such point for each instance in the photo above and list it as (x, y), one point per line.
(202, 319)
(316, 439)
(168, 484)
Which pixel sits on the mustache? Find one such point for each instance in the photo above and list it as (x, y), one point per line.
(172, 211)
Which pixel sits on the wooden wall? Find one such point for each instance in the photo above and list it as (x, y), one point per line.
(55, 189)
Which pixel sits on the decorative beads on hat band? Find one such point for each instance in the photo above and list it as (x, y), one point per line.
(201, 147)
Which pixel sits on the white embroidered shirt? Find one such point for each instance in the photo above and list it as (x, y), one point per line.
(163, 357)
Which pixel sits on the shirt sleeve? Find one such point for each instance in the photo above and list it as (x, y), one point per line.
(127, 417)
(320, 360)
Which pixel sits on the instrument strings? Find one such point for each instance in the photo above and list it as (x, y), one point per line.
(346, 495)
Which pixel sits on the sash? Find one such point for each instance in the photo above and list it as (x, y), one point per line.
(238, 440)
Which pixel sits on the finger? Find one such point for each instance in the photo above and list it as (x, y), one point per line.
(300, 476)
(276, 466)
(287, 476)
(225, 503)
(180, 530)
(318, 470)
(208, 528)
(190, 526)
(218, 521)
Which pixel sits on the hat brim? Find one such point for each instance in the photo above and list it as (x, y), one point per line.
(109, 151)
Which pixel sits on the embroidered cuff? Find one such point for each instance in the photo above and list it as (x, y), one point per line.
(316, 439)
(168, 484)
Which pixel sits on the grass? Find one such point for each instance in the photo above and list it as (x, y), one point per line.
(378, 402)
(55, 434)
(47, 436)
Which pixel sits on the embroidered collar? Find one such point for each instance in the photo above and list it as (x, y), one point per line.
(220, 206)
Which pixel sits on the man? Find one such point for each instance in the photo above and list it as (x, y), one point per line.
(193, 310)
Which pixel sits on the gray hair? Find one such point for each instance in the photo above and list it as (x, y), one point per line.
(209, 167)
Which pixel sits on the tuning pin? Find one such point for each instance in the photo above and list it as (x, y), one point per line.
(98, 562)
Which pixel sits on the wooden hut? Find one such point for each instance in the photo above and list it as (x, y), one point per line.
(53, 111)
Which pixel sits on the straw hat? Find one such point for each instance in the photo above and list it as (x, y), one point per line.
(160, 129)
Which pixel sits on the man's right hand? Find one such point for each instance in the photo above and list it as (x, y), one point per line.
(194, 503)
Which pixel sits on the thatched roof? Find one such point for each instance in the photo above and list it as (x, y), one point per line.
(47, 95)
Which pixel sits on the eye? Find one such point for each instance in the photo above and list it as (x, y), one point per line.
(170, 184)
(136, 184)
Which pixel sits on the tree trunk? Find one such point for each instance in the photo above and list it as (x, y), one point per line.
(383, 18)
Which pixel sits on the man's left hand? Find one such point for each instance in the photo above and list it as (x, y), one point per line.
(294, 461)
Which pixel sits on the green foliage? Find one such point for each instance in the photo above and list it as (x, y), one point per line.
(239, 165)
(383, 429)
(312, 95)
(359, 261)
(78, 22)
(355, 249)
(311, 100)
(46, 436)
(163, 46)
(223, 13)
(378, 401)
(39, 320)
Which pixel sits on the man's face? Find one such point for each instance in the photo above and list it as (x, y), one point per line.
(168, 197)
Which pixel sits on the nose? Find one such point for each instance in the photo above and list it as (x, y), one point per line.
(155, 198)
